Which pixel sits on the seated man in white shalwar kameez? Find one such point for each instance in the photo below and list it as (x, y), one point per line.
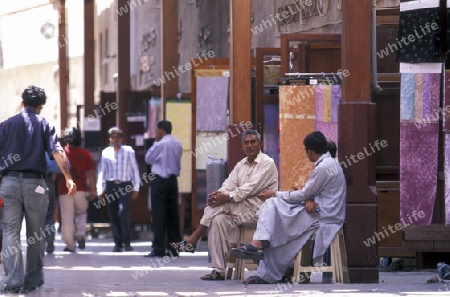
(288, 219)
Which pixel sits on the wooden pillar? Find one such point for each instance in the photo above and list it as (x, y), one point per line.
(63, 65)
(357, 135)
(123, 80)
(169, 48)
(240, 61)
(89, 57)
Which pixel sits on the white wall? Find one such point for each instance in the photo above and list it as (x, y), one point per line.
(30, 58)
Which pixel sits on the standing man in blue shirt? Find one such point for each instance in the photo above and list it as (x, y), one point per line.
(165, 158)
(118, 180)
(24, 139)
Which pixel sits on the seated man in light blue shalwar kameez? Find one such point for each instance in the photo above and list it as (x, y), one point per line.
(288, 219)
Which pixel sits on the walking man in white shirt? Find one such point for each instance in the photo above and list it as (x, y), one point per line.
(165, 160)
(118, 180)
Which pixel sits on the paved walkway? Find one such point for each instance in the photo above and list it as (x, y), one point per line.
(97, 271)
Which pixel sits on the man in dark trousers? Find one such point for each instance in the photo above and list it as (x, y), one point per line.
(165, 158)
(24, 139)
(118, 181)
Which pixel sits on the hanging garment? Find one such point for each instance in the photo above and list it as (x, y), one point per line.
(419, 134)
(212, 103)
(271, 135)
(327, 101)
(447, 177)
(153, 116)
(297, 119)
(445, 111)
(418, 39)
(179, 113)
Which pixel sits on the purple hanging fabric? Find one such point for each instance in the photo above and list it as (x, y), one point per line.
(446, 118)
(426, 98)
(271, 135)
(212, 103)
(418, 171)
(419, 134)
(327, 124)
(329, 130)
(335, 99)
(430, 97)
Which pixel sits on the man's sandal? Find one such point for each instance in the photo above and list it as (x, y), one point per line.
(248, 251)
(254, 280)
(213, 276)
(183, 246)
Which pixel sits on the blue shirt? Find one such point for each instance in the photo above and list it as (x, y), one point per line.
(24, 139)
(120, 165)
(52, 166)
(165, 156)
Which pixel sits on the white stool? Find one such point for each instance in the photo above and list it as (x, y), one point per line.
(338, 265)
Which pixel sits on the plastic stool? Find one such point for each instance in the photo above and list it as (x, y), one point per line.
(338, 265)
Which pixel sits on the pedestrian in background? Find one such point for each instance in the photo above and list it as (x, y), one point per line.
(74, 209)
(165, 158)
(24, 139)
(118, 181)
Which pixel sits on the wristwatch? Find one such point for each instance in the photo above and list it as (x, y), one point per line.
(231, 198)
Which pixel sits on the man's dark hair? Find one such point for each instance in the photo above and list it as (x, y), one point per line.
(316, 142)
(251, 132)
(72, 136)
(114, 130)
(33, 96)
(332, 148)
(165, 125)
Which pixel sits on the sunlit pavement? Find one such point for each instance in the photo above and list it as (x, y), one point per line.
(97, 271)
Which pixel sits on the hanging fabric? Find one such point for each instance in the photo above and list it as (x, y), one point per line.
(297, 119)
(304, 109)
(154, 111)
(445, 113)
(419, 133)
(418, 39)
(212, 103)
(271, 135)
(327, 100)
(177, 112)
(447, 177)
